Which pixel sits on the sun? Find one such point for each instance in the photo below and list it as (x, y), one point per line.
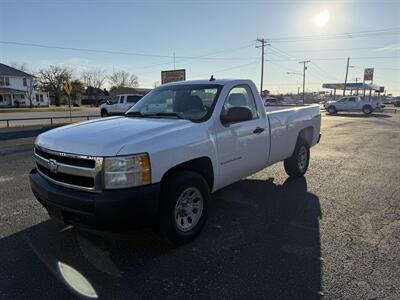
(321, 18)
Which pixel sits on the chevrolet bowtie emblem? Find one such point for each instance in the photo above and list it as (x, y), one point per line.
(52, 166)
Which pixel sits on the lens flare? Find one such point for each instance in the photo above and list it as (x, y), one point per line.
(322, 18)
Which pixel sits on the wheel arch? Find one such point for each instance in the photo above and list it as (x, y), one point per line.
(307, 135)
(201, 165)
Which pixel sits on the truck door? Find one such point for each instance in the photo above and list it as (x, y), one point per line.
(352, 104)
(111, 108)
(342, 104)
(242, 147)
(120, 107)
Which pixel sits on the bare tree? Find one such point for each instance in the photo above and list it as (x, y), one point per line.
(94, 78)
(123, 79)
(53, 79)
(30, 88)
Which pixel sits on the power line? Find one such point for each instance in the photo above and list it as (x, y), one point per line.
(223, 70)
(345, 35)
(343, 58)
(118, 52)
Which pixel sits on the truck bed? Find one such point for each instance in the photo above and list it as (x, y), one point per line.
(285, 124)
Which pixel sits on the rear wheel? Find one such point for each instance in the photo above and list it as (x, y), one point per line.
(332, 110)
(184, 204)
(297, 164)
(367, 109)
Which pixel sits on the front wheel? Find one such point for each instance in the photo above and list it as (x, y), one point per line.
(297, 165)
(184, 206)
(104, 113)
(332, 110)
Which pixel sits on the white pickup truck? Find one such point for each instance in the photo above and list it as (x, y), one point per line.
(159, 163)
(351, 103)
(119, 104)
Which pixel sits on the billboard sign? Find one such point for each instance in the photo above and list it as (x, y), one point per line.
(173, 75)
(368, 74)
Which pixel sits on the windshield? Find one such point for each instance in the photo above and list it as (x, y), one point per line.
(193, 102)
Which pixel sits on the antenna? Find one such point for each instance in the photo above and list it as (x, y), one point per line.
(212, 78)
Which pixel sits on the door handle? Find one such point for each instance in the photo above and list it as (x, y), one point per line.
(258, 130)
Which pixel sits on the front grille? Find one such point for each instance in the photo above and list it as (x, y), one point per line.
(70, 170)
(87, 163)
(70, 179)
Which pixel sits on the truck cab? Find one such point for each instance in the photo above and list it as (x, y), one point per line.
(119, 104)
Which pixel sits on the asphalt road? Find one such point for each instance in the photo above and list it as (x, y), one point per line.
(334, 234)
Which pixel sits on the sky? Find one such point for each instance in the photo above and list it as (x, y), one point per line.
(208, 37)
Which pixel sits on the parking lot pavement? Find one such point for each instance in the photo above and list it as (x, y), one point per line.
(84, 111)
(332, 234)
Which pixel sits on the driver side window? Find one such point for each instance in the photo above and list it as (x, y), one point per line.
(240, 96)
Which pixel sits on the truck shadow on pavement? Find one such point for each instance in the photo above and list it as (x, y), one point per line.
(262, 241)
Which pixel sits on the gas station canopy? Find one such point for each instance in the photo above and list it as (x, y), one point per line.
(352, 86)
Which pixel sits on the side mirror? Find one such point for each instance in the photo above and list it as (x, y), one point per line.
(236, 114)
(108, 102)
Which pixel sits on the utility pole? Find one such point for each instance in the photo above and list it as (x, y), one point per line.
(345, 79)
(304, 62)
(174, 61)
(356, 80)
(262, 46)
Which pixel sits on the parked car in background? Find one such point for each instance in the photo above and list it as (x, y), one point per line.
(119, 104)
(396, 103)
(351, 103)
(271, 101)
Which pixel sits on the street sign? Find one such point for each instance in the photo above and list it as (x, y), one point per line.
(368, 74)
(173, 75)
(68, 88)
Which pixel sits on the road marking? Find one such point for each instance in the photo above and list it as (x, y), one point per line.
(5, 179)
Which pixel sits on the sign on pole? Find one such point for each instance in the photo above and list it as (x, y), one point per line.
(368, 74)
(68, 88)
(173, 75)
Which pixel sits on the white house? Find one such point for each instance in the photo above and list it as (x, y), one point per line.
(16, 89)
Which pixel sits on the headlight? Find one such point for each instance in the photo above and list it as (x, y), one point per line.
(126, 171)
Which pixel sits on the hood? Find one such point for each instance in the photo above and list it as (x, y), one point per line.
(106, 137)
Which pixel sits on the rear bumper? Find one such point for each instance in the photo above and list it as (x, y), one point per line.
(114, 210)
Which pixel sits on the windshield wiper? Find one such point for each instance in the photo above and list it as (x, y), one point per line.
(164, 114)
(135, 114)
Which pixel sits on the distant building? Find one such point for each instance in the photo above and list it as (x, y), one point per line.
(94, 96)
(16, 89)
(128, 90)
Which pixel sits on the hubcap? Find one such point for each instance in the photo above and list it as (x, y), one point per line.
(188, 209)
(302, 159)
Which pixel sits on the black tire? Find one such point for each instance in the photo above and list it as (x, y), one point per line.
(295, 166)
(332, 110)
(104, 113)
(367, 109)
(173, 189)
